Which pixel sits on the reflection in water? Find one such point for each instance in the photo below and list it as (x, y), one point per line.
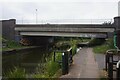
(31, 60)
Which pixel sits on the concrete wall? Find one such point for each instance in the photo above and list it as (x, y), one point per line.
(8, 31)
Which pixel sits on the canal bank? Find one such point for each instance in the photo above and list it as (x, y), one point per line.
(12, 51)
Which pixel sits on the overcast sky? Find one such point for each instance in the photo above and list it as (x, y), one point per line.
(56, 10)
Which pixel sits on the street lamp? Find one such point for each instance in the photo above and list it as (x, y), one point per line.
(36, 16)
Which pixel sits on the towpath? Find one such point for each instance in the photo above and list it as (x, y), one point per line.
(84, 65)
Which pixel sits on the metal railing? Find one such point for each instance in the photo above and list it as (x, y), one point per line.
(65, 21)
(110, 63)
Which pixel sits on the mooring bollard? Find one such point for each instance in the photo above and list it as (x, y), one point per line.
(118, 70)
(110, 66)
(65, 63)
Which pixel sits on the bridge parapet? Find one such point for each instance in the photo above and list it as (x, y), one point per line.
(66, 28)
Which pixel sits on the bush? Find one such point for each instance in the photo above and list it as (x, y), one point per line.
(62, 45)
(51, 66)
(104, 47)
(74, 46)
(12, 44)
(96, 41)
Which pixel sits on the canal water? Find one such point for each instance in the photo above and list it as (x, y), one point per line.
(31, 60)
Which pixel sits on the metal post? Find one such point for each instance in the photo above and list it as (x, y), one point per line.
(65, 63)
(71, 58)
(110, 67)
(106, 61)
(118, 70)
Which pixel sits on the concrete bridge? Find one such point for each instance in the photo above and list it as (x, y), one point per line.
(66, 30)
(45, 32)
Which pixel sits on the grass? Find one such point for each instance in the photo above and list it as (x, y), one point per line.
(16, 73)
(101, 49)
(104, 47)
(74, 46)
(10, 45)
(52, 69)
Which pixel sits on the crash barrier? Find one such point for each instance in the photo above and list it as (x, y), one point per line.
(112, 64)
(67, 59)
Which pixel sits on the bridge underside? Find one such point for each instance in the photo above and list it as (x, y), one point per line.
(64, 34)
(36, 40)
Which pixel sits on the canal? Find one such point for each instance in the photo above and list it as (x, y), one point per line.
(31, 60)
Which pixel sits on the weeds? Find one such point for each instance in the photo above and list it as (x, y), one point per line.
(51, 67)
(16, 73)
(104, 47)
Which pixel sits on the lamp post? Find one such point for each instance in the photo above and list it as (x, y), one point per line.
(36, 16)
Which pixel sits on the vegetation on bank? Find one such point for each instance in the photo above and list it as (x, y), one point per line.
(51, 68)
(10, 45)
(106, 45)
(16, 73)
(74, 46)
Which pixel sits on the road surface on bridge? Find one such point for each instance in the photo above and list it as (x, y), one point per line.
(84, 65)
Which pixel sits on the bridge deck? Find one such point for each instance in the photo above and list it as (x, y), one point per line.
(70, 30)
(65, 28)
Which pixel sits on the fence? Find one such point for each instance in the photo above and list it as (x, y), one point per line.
(110, 63)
